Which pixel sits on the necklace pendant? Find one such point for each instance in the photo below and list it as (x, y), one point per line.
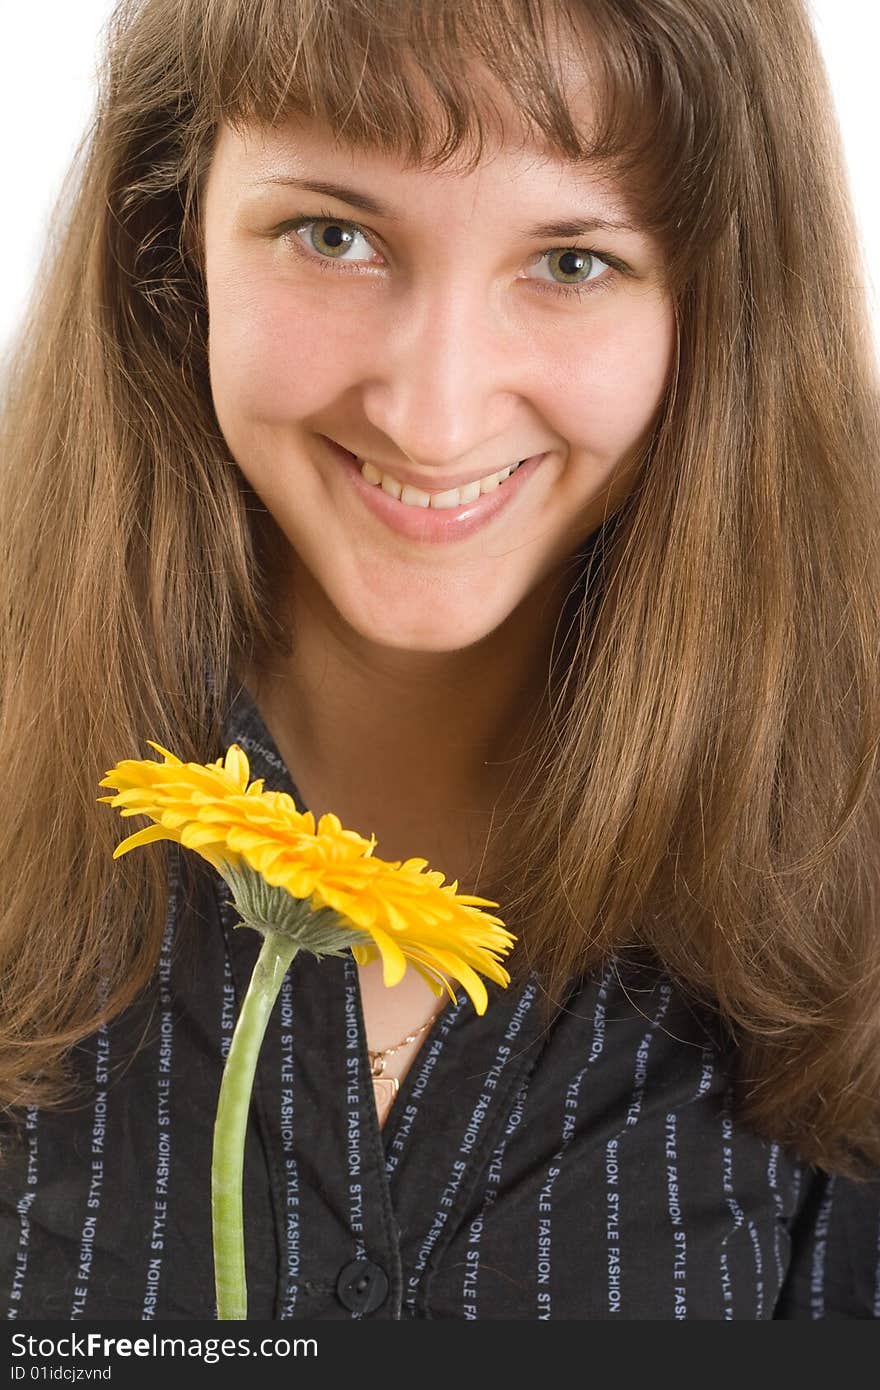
(385, 1088)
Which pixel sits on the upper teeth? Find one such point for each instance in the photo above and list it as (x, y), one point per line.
(415, 497)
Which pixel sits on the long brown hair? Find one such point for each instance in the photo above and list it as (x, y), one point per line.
(706, 790)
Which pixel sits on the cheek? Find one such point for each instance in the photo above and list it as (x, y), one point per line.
(274, 355)
(609, 394)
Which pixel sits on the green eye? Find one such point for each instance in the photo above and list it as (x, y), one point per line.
(330, 237)
(571, 262)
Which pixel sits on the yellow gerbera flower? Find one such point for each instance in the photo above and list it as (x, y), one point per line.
(303, 887)
(394, 908)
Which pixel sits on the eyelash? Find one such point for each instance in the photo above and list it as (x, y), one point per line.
(324, 263)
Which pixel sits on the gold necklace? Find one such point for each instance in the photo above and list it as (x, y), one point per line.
(385, 1088)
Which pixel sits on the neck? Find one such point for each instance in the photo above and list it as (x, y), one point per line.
(425, 748)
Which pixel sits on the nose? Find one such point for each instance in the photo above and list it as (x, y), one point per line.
(449, 380)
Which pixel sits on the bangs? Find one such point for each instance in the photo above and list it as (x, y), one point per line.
(400, 78)
(431, 83)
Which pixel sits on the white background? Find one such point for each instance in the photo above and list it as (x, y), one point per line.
(48, 58)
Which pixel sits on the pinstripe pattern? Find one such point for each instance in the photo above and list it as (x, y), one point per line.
(96, 1181)
(17, 1226)
(594, 1169)
(291, 1175)
(164, 1058)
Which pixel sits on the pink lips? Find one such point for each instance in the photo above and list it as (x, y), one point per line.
(430, 523)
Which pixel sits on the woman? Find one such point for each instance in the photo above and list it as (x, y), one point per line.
(326, 271)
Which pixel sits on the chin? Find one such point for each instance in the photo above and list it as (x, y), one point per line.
(419, 635)
(419, 621)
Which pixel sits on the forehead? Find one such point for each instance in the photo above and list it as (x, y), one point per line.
(254, 148)
(256, 155)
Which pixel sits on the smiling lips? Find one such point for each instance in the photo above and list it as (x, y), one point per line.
(423, 521)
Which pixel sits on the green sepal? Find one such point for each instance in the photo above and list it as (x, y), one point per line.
(268, 909)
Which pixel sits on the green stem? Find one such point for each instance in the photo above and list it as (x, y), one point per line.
(231, 1124)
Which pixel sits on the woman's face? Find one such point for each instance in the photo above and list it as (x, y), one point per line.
(439, 337)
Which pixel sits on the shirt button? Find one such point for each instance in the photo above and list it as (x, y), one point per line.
(362, 1287)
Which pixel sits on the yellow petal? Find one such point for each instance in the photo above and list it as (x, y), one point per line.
(453, 965)
(299, 883)
(237, 765)
(172, 820)
(415, 865)
(132, 796)
(364, 954)
(169, 757)
(393, 959)
(143, 837)
(437, 983)
(197, 836)
(245, 841)
(396, 919)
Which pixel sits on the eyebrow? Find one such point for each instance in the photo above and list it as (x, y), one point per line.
(561, 227)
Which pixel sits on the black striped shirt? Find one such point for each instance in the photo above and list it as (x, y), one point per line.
(592, 1170)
